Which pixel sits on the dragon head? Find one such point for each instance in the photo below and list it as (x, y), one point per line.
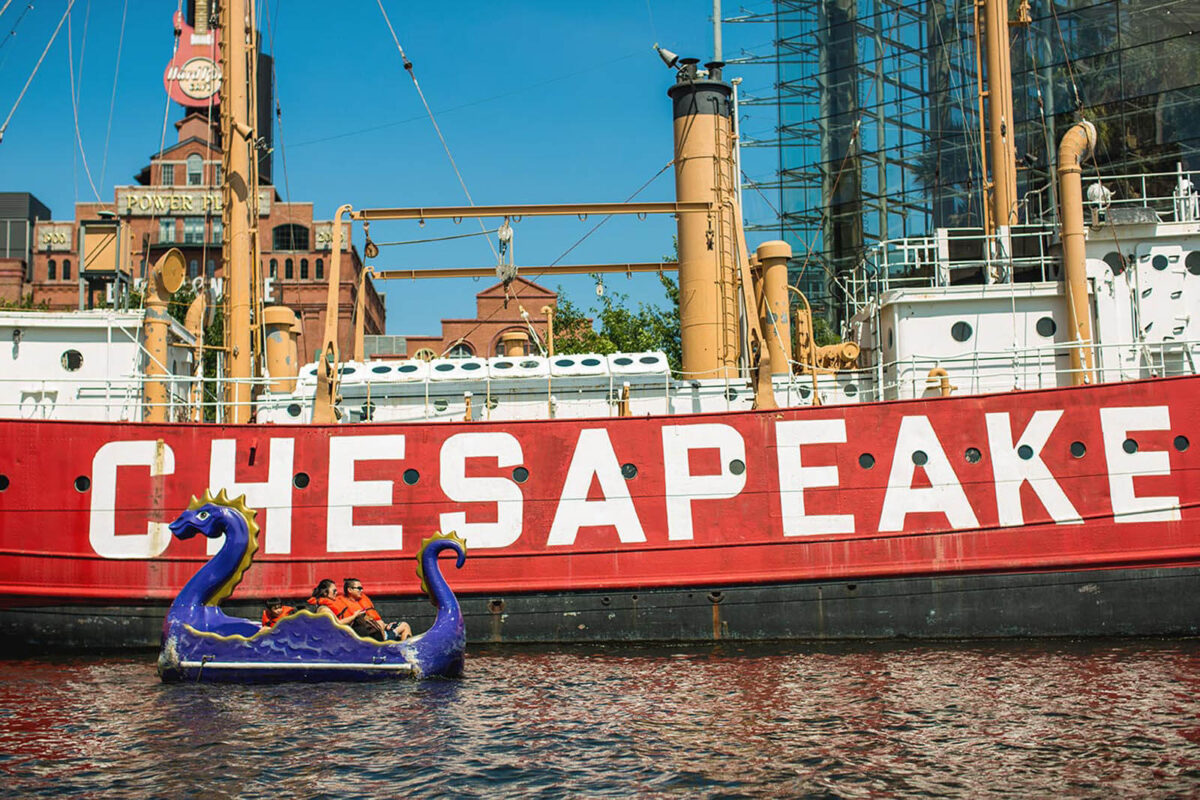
(209, 519)
(216, 516)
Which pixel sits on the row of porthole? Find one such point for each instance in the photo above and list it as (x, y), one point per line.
(1117, 262)
(961, 331)
(972, 455)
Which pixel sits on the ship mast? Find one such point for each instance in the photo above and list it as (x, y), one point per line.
(239, 196)
(1003, 183)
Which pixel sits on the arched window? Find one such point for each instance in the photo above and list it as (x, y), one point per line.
(290, 237)
(304, 269)
(425, 354)
(320, 269)
(51, 270)
(288, 271)
(195, 170)
(460, 350)
(66, 269)
(274, 268)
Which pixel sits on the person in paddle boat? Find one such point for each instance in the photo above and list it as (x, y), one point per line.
(374, 626)
(274, 610)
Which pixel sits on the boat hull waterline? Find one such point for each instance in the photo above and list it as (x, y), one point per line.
(1048, 482)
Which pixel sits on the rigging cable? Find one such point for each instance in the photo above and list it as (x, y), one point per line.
(37, 66)
(75, 100)
(13, 32)
(112, 103)
(408, 67)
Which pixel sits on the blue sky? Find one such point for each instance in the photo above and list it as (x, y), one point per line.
(540, 102)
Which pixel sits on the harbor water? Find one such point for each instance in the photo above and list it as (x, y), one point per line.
(1018, 719)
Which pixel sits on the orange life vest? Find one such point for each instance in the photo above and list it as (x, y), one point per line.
(335, 604)
(364, 604)
(269, 621)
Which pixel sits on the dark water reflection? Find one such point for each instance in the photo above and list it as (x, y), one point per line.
(1020, 719)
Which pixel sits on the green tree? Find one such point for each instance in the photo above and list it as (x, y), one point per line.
(612, 326)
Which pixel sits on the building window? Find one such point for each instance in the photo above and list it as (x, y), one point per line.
(218, 173)
(66, 269)
(288, 272)
(168, 174)
(290, 237)
(304, 269)
(142, 268)
(218, 229)
(193, 230)
(320, 269)
(274, 268)
(193, 268)
(210, 268)
(460, 350)
(195, 170)
(51, 270)
(166, 230)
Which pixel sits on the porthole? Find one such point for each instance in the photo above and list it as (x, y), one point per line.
(1046, 327)
(1181, 444)
(731, 394)
(649, 359)
(590, 362)
(564, 362)
(1115, 261)
(503, 365)
(411, 476)
(866, 461)
(629, 471)
(1159, 262)
(851, 390)
(441, 405)
(961, 331)
(737, 466)
(293, 409)
(491, 402)
(1025, 452)
(471, 366)
(83, 483)
(530, 365)
(972, 455)
(891, 338)
(300, 480)
(1078, 449)
(444, 367)
(520, 474)
(380, 370)
(3, 483)
(1129, 446)
(1193, 262)
(805, 392)
(72, 360)
(623, 361)
(407, 368)
(919, 458)
(347, 371)
(311, 371)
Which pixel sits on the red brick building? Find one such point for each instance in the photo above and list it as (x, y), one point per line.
(495, 316)
(176, 202)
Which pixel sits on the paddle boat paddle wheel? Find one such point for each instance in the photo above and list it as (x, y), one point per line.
(202, 643)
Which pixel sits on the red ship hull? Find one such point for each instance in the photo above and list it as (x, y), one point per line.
(740, 525)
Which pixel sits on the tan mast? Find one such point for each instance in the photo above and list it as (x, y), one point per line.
(238, 56)
(1000, 125)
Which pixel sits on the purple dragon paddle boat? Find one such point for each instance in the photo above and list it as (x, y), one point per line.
(203, 643)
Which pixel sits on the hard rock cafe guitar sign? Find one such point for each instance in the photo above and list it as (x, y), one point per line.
(193, 78)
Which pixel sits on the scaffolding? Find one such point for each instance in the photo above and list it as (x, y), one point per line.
(875, 114)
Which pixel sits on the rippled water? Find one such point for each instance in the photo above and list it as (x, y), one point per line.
(1019, 719)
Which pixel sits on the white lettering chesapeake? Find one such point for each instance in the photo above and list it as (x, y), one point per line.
(1116, 423)
(1009, 470)
(594, 456)
(506, 494)
(345, 493)
(273, 496)
(102, 533)
(683, 487)
(794, 477)
(944, 496)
